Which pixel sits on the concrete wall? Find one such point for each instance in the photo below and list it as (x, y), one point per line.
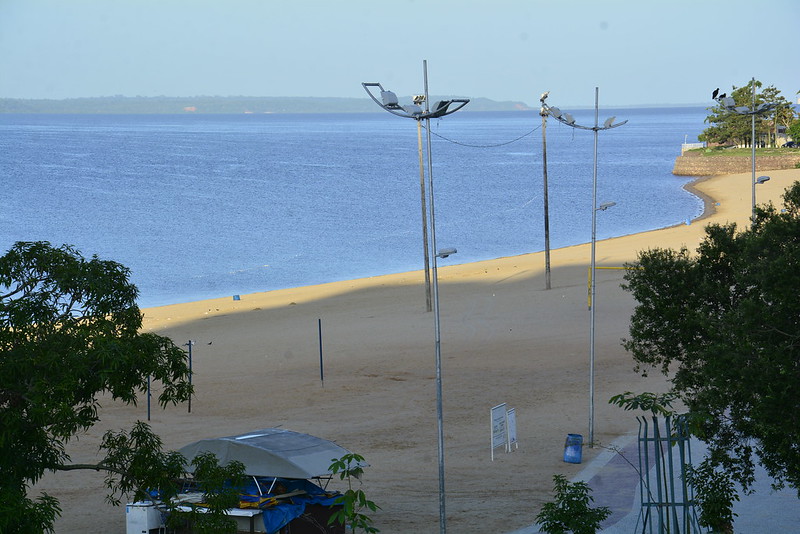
(698, 165)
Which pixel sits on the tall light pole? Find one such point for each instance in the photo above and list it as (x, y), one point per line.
(543, 112)
(729, 104)
(414, 111)
(441, 108)
(569, 120)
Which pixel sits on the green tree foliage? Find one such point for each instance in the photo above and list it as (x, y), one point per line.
(725, 324)
(727, 127)
(70, 332)
(353, 501)
(221, 487)
(715, 493)
(794, 131)
(571, 510)
(783, 114)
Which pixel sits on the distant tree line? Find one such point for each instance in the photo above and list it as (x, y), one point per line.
(729, 128)
(217, 104)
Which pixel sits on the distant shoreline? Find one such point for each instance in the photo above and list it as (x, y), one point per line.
(204, 105)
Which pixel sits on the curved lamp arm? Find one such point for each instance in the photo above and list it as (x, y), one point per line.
(566, 118)
(389, 102)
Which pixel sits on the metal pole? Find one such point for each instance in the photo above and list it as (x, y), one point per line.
(543, 113)
(148, 397)
(424, 219)
(437, 328)
(594, 236)
(190, 373)
(753, 146)
(321, 368)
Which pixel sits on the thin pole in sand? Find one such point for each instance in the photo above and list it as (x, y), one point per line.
(190, 372)
(321, 368)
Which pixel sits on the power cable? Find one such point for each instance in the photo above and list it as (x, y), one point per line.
(483, 146)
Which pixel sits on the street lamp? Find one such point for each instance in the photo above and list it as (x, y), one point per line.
(389, 102)
(543, 111)
(442, 108)
(569, 120)
(730, 105)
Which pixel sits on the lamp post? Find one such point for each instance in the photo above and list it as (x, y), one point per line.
(543, 112)
(389, 102)
(441, 108)
(729, 104)
(569, 120)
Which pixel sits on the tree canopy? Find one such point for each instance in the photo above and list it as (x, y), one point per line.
(69, 332)
(727, 127)
(725, 324)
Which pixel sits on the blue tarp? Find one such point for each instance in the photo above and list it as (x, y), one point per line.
(277, 513)
(277, 516)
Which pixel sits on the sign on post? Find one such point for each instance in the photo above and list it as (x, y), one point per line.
(504, 428)
(499, 428)
(511, 423)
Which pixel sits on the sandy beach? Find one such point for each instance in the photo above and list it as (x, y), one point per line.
(505, 338)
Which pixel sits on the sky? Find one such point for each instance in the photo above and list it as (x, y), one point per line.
(637, 52)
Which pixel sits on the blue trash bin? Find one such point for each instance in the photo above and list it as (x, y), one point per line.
(573, 448)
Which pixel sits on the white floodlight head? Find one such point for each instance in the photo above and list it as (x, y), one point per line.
(568, 118)
(544, 96)
(419, 99)
(609, 122)
(439, 108)
(389, 99)
(555, 112)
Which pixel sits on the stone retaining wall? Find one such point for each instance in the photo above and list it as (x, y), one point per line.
(699, 165)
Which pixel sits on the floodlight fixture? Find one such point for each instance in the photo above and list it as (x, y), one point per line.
(389, 99)
(390, 103)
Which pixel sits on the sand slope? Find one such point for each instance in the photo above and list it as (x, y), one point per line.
(504, 339)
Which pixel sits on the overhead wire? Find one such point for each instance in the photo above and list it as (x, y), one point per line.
(483, 146)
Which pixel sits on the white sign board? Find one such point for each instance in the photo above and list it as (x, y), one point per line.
(499, 428)
(511, 423)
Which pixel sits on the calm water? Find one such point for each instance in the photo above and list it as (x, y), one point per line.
(205, 206)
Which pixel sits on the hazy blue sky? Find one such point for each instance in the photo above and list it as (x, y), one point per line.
(636, 51)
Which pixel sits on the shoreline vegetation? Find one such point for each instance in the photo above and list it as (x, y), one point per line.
(505, 338)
